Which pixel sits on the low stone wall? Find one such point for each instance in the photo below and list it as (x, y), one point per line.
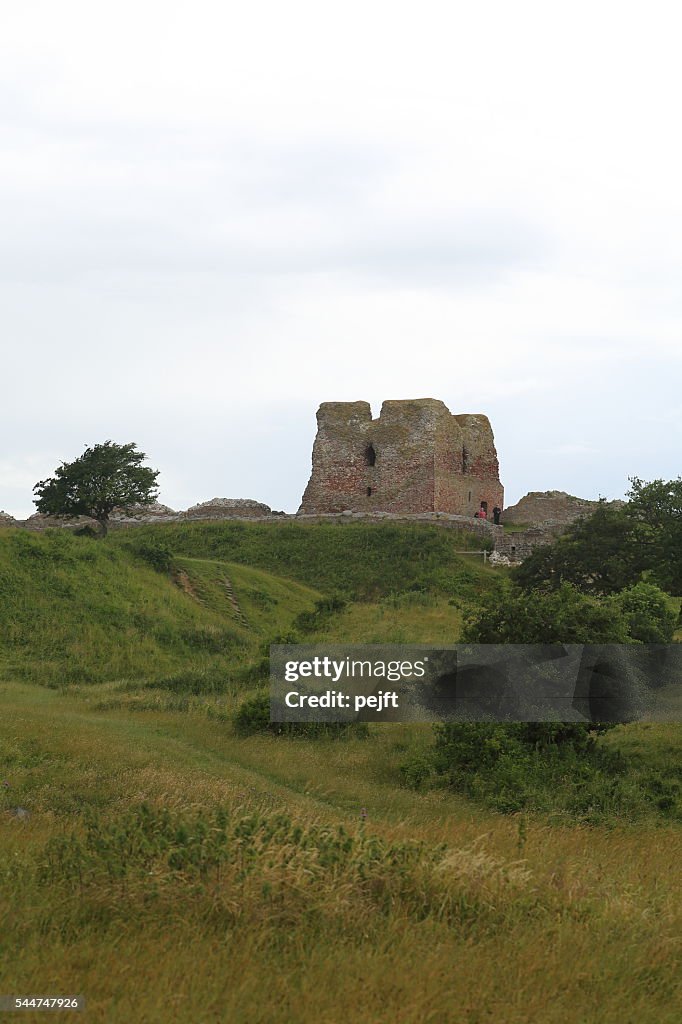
(246, 512)
(215, 509)
(517, 546)
(513, 547)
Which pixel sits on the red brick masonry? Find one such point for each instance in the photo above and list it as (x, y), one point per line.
(416, 457)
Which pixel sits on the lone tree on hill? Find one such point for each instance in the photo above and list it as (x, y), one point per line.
(105, 477)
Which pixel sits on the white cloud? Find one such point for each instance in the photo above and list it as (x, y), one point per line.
(219, 212)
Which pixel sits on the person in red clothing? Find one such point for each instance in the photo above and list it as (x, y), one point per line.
(482, 514)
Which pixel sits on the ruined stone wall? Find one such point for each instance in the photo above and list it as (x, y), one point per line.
(415, 457)
(398, 478)
(214, 510)
(517, 546)
(466, 468)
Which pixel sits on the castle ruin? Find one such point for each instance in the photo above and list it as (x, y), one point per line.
(415, 457)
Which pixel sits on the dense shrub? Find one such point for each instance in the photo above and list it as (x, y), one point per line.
(647, 613)
(157, 553)
(324, 610)
(509, 615)
(253, 716)
(557, 768)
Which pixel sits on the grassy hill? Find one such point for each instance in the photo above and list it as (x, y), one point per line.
(161, 603)
(172, 870)
(362, 561)
(74, 610)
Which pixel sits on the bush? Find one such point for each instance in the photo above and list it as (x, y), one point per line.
(253, 716)
(562, 616)
(580, 736)
(324, 610)
(156, 553)
(556, 768)
(647, 612)
(418, 769)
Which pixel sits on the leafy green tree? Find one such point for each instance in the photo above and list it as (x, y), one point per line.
(600, 554)
(105, 477)
(612, 549)
(657, 502)
(656, 509)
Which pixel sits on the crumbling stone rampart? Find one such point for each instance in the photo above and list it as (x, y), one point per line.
(550, 508)
(216, 508)
(220, 508)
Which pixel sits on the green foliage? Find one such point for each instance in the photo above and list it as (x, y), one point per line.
(557, 768)
(253, 716)
(544, 736)
(598, 554)
(565, 616)
(610, 550)
(656, 508)
(199, 845)
(324, 610)
(157, 553)
(274, 860)
(647, 612)
(103, 478)
(419, 769)
(510, 614)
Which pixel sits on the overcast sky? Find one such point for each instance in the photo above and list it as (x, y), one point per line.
(215, 216)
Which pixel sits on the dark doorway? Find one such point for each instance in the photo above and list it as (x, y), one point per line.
(369, 492)
(370, 455)
(484, 506)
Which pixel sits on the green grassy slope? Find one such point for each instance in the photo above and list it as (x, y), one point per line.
(73, 610)
(172, 871)
(361, 560)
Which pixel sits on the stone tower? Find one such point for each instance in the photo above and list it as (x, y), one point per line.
(416, 457)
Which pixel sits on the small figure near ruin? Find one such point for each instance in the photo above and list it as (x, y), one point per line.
(497, 512)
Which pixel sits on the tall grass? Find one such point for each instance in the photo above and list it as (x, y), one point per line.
(171, 871)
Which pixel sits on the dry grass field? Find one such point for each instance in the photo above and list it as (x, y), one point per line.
(174, 871)
(330, 892)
